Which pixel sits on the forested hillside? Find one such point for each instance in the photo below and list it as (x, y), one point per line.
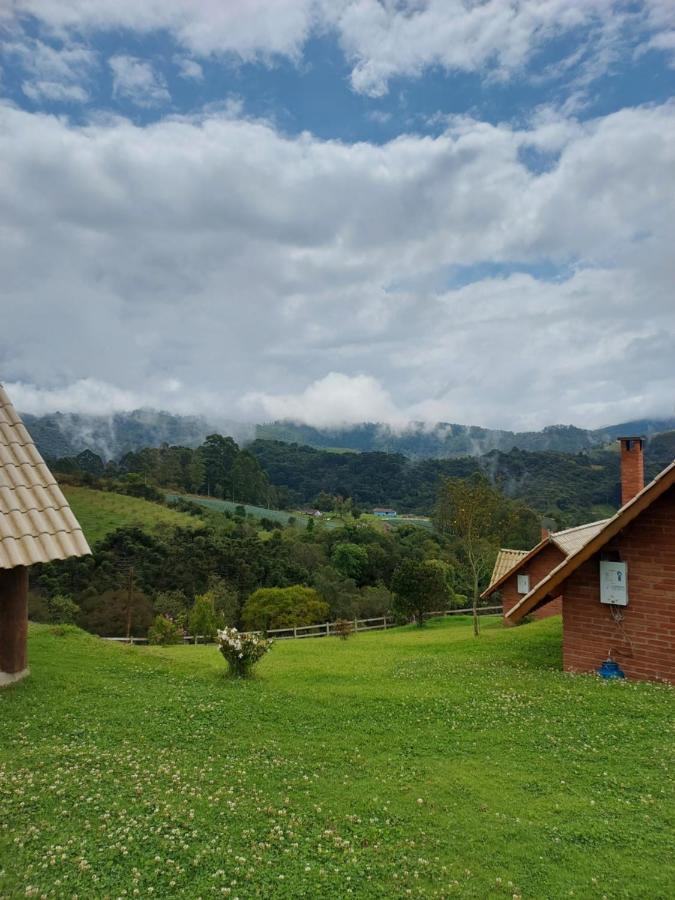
(420, 441)
(570, 488)
(58, 435)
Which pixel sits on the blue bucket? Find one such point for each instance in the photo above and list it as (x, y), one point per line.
(610, 669)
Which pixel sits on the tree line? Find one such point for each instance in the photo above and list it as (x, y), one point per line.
(217, 468)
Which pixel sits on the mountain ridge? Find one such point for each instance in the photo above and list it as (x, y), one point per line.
(66, 434)
(448, 440)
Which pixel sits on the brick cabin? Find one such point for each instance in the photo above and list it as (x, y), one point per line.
(516, 571)
(639, 542)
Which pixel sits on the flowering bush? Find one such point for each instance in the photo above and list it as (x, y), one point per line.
(242, 651)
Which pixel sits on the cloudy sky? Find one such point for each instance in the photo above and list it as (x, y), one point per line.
(339, 210)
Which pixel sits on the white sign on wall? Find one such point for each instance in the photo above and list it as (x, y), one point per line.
(523, 584)
(613, 583)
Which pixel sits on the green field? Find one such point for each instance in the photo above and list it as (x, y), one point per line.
(419, 521)
(100, 512)
(406, 763)
(258, 512)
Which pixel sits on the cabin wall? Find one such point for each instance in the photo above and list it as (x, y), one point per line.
(643, 643)
(537, 568)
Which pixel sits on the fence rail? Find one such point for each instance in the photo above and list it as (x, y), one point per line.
(326, 629)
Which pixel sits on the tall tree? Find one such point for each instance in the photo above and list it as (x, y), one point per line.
(249, 482)
(218, 454)
(479, 517)
(419, 588)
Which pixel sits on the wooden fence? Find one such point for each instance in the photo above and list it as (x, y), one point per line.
(326, 629)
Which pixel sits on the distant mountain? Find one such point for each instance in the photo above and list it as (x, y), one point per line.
(446, 440)
(58, 434)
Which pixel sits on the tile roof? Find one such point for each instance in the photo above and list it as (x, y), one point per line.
(36, 523)
(506, 560)
(573, 539)
(569, 541)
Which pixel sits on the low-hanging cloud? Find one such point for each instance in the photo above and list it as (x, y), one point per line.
(335, 401)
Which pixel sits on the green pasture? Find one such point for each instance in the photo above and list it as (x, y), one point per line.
(407, 763)
(258, 512)
(100, 512)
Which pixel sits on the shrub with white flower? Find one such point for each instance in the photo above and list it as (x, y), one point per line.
(242, 651)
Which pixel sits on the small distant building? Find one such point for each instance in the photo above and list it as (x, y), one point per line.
(36, 526)
(384, 512)
(613, 580)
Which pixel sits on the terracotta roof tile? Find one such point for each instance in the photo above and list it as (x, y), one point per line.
(36, 523)
(506, 560)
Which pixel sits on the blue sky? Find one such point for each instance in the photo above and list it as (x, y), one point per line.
(317, 210)
(313, 92)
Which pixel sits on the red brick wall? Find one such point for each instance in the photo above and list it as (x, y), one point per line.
(552, 608)
(537, 568)
(644, 643)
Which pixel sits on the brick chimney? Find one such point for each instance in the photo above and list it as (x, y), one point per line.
(632, 467)
(545, 532)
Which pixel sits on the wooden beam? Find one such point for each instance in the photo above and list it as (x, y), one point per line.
(13, 624)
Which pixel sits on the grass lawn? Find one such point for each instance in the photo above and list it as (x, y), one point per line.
(395, 764)
(100, 512)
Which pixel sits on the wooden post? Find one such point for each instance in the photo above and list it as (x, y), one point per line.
(13, 624)
(130, 602)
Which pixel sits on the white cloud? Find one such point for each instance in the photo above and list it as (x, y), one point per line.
(253, 30)
(222, 256)
(86, 395)
(334, 401)
(189, 68)
(53, 73)
(55, 91)
(382, 40)
(136, 80)
(101, 398)
(665, 41)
